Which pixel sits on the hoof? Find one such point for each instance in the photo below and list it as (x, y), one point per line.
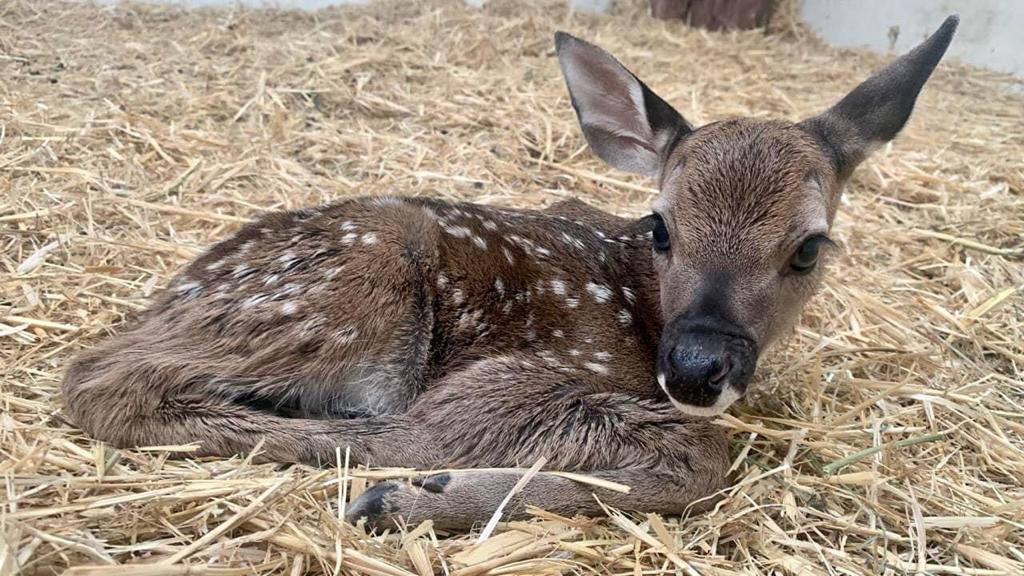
(435, 483)
(375, 505)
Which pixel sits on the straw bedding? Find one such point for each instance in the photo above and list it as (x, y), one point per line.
(884, 437)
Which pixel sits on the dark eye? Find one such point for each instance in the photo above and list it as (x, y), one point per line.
(806, 256)
(660, 232)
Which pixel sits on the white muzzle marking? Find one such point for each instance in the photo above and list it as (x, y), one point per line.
(725, 399)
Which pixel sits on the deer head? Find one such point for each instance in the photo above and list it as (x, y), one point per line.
(740, 225)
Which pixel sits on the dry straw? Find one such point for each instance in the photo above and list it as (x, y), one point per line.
(885, 437)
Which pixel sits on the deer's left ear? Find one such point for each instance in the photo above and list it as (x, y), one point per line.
(626, 124)
(874, 112)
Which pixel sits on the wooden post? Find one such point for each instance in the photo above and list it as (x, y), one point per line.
(715, 14)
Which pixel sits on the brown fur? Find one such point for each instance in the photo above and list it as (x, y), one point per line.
(422, 333)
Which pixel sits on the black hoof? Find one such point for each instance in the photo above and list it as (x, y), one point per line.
(373, 504)
(435, 483)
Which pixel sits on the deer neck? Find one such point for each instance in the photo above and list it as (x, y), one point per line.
(636, 261)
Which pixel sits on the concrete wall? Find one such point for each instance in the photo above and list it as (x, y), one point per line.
(991, 32)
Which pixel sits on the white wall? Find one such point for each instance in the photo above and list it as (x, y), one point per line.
(991, 32)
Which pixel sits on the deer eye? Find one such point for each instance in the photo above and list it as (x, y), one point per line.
(660, 232)
(806, 256)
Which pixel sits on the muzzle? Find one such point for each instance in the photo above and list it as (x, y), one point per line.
(705, 364)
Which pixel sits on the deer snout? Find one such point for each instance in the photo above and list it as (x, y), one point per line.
(703, 368)
(695, 366)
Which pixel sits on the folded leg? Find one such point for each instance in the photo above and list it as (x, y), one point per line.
(511, 411)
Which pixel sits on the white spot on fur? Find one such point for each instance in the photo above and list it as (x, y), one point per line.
(255, 300)
(603, 356)
(442, 281)
(346, 335)
(574, 352)
(625, 318)
(189, 289)
(499, 287)
(479, 242)
(600, 292)
(572, 241)
(215, 265)
(458, 231)
(542, 251)
(289, 308)
(549, 357)
(490, 225)
(242, 270)
(458, 297)
(349, 238)
(558, 287)
(272, 279)
(470, 319)
(348, 226)
(629, 294)
(596, 368)
(369, 238)
(288, 259)
(508, 254)
(558, 334)
(572, 302)
(333, 272)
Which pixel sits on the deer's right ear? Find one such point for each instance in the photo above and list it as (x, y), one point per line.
(626, 124)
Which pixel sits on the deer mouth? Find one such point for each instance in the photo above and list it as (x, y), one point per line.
(725, 399)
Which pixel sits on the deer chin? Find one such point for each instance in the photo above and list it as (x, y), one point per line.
(725, 399)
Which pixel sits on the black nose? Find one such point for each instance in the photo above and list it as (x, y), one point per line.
(697, 366)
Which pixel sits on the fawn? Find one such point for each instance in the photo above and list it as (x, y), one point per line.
(429, 334)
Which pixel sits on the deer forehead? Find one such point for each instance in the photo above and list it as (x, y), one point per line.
(746, 182)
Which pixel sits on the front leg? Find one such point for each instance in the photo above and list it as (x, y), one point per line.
(464, 499)
(509, 412)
